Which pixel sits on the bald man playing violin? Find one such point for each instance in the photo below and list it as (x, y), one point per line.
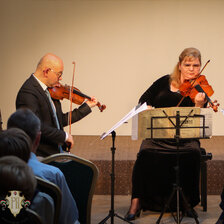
(34, 95)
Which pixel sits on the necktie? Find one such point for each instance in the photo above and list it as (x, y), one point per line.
(54, 113)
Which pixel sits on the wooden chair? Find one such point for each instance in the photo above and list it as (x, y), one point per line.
(52, 190)
(81, 176)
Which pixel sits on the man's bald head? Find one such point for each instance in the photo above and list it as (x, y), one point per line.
(49, 60)
(49, 69)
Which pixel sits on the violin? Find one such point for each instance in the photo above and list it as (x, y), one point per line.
(200, 84)
(60, 92)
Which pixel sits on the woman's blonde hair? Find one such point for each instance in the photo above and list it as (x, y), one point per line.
(187, 54)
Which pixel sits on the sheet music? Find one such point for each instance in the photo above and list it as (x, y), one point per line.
(208, 121)
(165, 128)
(139, 108)
(134, 134)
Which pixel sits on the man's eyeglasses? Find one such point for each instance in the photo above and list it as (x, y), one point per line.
(59, 74)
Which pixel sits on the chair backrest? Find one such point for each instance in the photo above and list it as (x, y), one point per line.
(33, 216)
(204, 158)
(52, 190)
(81, 176)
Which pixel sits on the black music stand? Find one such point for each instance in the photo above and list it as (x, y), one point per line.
(176, 188)
(132, 113)
(112, 213)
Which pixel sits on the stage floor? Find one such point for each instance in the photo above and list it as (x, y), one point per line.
(101, 207)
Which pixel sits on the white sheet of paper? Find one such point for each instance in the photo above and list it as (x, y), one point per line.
(133, 112)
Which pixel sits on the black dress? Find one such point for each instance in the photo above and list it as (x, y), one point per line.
(154, 170)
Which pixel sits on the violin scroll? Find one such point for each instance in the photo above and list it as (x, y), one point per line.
(101, 107)
(214, 105)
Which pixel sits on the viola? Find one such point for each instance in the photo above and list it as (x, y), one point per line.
(60, 92)
(200, 84)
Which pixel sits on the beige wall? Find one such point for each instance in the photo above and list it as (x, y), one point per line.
(120, 48)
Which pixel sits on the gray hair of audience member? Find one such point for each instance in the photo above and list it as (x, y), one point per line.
(15, 174)
(16, 142)
(26, 120)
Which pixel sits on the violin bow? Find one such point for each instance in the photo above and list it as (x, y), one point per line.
(71, 94)
(193, 82)
(0, 121)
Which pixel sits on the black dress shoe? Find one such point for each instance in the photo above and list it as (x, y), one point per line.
(130, 216)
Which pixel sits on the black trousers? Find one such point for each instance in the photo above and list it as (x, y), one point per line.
(154, 173)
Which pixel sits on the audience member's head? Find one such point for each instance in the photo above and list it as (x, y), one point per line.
(26, 120)
(16, 142)
(16, 175)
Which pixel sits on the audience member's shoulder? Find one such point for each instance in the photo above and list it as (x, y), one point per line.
(52, 169)
(52, 174)
(43, 204)
(45, 171)
(42, 197)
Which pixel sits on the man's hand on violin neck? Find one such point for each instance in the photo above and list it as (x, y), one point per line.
(92, 102)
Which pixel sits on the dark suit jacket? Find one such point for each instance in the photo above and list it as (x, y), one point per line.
(32, 96)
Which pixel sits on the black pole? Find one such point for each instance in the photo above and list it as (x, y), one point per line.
(178, 165)
(112, 176)
(177, 187)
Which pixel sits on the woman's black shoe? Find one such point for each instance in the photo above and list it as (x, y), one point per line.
(130, 217)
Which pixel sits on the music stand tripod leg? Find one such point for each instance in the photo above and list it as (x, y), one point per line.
(166, 206)
(112, 214)
(188, 207)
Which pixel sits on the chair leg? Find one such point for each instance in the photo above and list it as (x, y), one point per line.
(204, 185)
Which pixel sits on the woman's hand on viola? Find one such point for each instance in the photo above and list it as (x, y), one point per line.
(92, 102)
(200, 100)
